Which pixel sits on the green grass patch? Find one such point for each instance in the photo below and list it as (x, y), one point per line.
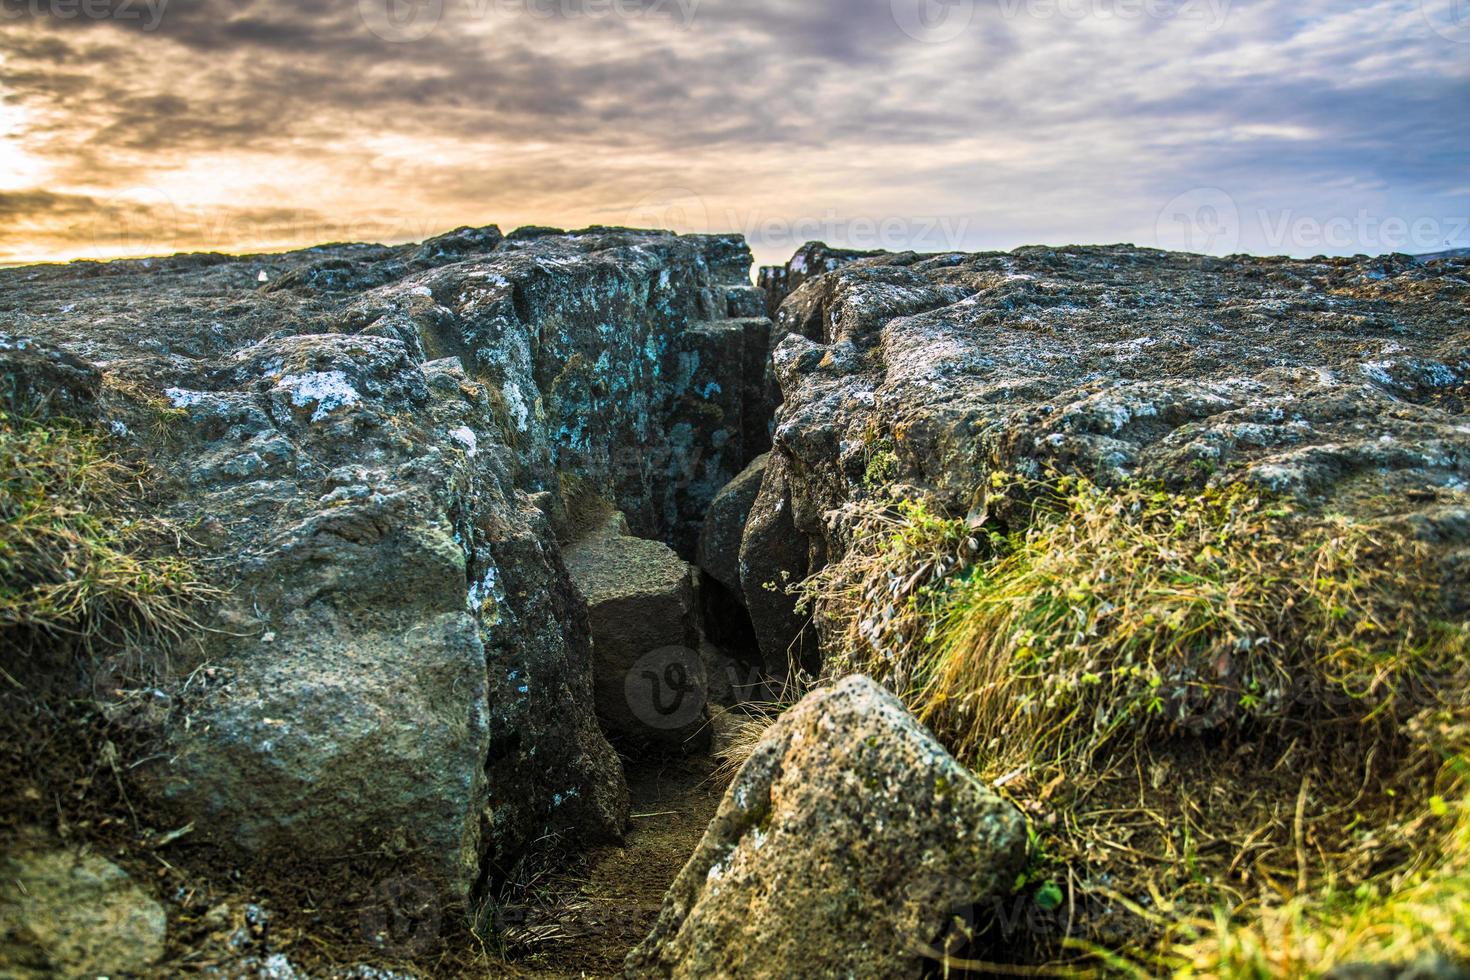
(1124, 613)
(79, 563)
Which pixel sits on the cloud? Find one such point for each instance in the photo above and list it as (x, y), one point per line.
(1042, 120)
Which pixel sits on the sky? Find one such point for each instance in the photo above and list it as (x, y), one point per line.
(1298, 127)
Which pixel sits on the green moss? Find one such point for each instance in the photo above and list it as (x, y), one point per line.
(882, 465)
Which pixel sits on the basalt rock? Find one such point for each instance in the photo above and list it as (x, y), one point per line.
(378, 453)
(647, 676)
(811, 260)
(1343, 383)
(843, 848)
(719, 541)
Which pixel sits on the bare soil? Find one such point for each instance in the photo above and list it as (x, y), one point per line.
(583, 922)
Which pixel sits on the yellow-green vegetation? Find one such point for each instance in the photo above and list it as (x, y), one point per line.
(1199, 698)
(1120, 613)
(76, 565)
(1419, 911)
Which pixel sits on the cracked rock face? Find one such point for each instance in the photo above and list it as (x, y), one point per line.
(842, 848)
(374, 449)
(1342, 382)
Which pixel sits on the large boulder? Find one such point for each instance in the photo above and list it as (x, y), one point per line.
(648, 677)
(70, 913)
(842, 849)
(1341, 382)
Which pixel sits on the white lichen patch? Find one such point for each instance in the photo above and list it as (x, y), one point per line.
(183, 397)
(327, 390)
(464, 436)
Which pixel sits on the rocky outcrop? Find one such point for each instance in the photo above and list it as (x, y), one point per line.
(648, 678)
(842, 848)
(810, 261)
(1343, 382)
(70, 913)
(378, 452)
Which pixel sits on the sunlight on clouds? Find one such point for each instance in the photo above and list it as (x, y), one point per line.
(18, 168)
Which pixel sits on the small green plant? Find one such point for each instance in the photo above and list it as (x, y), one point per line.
(76, 565)
(882, 465)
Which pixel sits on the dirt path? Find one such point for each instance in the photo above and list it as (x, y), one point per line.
(583, 924)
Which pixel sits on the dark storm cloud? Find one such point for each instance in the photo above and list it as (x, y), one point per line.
(1038, 117)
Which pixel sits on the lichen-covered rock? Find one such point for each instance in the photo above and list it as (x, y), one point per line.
(811, 260)
(841, 849)
(71, 913)
(1342, 382)
(647, 675)
(375, 450)
(38, 380)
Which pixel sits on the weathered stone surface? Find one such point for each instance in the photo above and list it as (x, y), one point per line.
(841, 849)
(724, 525)
(811, 260)
(383, 443)
(774, 557)
(70, 913)
(726, 406)
(39, 380)
(648, 678)
(1342, 382)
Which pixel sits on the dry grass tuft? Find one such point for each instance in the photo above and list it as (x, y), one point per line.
(1199, 699)
(1411, 914)
(77, 566)
(739, 732)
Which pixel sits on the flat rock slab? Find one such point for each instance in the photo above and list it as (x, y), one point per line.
(648, 678)
(841, 849)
